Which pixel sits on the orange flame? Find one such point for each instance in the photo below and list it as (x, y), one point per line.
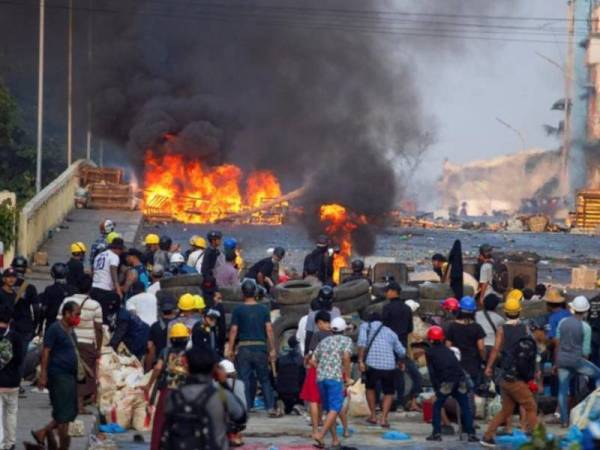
(340, 227)
(192, 192)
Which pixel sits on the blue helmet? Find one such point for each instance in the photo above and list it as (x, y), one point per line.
(467, 304)
(229, 244)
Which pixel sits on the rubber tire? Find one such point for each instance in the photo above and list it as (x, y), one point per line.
(298, 310)
(353, 305)
(296, 292)
(283, 323)
(192, 279)
(435, 291)
(408, 292)
(176, 292)
(350, 290)
(366, 312)
(233, 295)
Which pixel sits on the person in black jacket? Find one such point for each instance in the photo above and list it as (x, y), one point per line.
(290, 375)
(210, 260)
(204, 335)
(75, 269)
(321, 260)
(448, 380)
(265, 271)
(11, 358)
(53, 296)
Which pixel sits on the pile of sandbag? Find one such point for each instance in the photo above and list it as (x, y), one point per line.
(120, 390)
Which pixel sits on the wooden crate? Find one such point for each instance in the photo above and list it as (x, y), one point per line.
(110, 196)
(587, 212)
(92, 175)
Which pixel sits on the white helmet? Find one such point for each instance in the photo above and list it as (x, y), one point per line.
(227, 366)
(177, 258)
(412, 305)
(580, 304)
(338, 325)
(108, 226)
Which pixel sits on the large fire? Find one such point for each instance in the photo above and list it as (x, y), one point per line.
(191, 192)
(339, 226)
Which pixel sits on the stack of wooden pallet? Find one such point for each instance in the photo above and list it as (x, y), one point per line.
(106, 188)
(587, 213)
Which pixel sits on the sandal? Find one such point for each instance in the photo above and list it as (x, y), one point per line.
(385, 425)
(318, 443)
(36, 438)
(371, 421)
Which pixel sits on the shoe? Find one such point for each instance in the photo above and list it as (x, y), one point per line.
(488, 442)
(434, 437)
(472, 438)
(22, 392)
(447, 430)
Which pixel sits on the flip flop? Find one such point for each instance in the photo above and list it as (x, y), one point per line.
(36, 438)
(385, 425)
(371, 421)
(318, 443)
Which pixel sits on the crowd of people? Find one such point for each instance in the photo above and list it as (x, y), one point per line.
(206, 371)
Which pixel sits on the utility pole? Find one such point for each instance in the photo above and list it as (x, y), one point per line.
(88, 140)
(569, 76)
(514, 130)
(70, 90)
(40, 105)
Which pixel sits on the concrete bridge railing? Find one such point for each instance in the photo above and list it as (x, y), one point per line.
(48, 209)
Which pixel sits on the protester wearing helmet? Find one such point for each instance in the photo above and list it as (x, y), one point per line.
(324, 302)
(177, 265)
(152, 245)
(53, 296)
(448, 380)
(107, 226)
(320, 261)
(251, 323)
(211, 259)
(266, 271)
(556, 304)
(106, 274)
(159, 331)
(231, 244)
(188, 311)
(75, 269)
(358, 272)
(574, 337)
(204, 334)
(467, 335)
(197, 254)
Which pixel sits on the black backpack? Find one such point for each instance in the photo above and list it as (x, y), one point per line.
(189, 426)
(520, 361)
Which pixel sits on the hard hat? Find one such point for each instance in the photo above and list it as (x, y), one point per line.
(338, 325)
(165, 243)
(450, 305)
(435, 333)
(512, 305)
(19, 263)
(110, 237)
(177, 258)
(249, 288)
(78, 247)
(515, 294)
(214, 234)
(322, 241)
(199, 242)
(326, 292)
(58, 271)
(193, 238)
(358, 265)
(186, 302)
(152, 239)
(467, 304)
(554, 296)
(227, 366)
(229, 243)
(199, 302)
(179, 330)
(580, 304)
(108, 226)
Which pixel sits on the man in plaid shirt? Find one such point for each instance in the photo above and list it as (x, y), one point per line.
(378, 350)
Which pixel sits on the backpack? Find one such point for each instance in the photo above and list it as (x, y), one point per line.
(6, 351)
(519, 361)
(189, 426)
(500, 281)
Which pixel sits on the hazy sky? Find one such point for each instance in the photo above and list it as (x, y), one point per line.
(467, 91)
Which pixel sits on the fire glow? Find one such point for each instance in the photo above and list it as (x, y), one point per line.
(339, 225)
(192, 192)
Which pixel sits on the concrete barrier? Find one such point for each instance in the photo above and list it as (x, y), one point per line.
(48, 209)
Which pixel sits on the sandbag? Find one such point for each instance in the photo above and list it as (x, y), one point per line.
(358, 406)
(586, 411)
(77, 428)
(142, 416)
(122, 411)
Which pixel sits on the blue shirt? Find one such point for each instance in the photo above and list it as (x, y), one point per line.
(63, 358)
(554, 320)
(385, 347)
(251, 321)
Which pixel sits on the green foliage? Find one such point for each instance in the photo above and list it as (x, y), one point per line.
(7, 223)
(540, 441)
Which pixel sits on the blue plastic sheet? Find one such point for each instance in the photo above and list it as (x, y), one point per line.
(515, 440)
(396, 436)
(112, 428)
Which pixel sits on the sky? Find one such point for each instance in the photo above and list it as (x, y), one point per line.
(467, 91)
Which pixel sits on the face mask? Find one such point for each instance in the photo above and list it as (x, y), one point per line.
(74, 321)
(179, 343)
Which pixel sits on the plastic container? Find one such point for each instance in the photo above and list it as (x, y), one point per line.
(428, 410)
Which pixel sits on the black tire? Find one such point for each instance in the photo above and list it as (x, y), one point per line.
(353, 305)
(408, 292)
(366, 312)
(192, 279)
(233, 295)
(435, 291)
(176, 292)
(285, 322)
(298, 310)
(296, 292)
(350, 290)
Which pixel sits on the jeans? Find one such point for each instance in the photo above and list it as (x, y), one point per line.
(513, 393)
(9, 404)
(255, 362)
(583, 367)
(465, 410)
(415, 376)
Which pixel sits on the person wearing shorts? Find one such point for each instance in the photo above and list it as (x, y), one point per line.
(378, 350)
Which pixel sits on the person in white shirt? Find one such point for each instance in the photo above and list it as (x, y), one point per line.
(106, 274)
(156, 275)
(143, 304)
(89, 338)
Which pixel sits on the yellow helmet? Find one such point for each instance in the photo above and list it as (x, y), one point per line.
(110, 237)
(512, 305)
(78, 247)
(199, 241)
(199, 302)
(186, 302)
(152, 239)
(193, 239)
(179, 330)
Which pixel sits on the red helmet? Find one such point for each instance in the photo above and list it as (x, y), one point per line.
(450, 305)
(435, 333)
